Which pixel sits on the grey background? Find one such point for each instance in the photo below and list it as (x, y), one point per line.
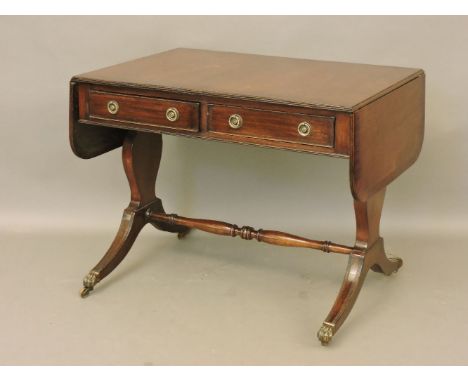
(58, 212)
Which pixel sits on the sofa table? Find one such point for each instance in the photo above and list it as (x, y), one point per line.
(369, 115)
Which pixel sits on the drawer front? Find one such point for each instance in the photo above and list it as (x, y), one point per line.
(287, 127)
(140, 110)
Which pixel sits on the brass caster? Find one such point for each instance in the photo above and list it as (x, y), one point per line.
(325, 334)
(181, 235)
(397, 260)
(91, 279)
(85, 291)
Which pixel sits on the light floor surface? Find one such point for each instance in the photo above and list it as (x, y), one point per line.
(209, 300)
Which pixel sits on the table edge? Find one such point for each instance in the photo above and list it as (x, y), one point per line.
(83, 79)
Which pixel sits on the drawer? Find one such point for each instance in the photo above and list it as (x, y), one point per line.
(134, 109)
(274, 125)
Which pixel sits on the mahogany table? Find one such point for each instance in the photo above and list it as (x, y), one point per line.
(372, 116)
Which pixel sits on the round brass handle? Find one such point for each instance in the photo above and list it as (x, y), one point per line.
(172, 114)
(113, 107)
(304, 129)
(235, 121)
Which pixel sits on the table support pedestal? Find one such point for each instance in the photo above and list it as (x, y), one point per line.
(369, 254)
(141, 159)
(141, 155)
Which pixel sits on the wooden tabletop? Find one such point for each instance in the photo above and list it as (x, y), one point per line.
(326, 84)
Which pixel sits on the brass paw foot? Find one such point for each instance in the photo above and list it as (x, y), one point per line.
(398, 261)
(89, 282)
(325, 334)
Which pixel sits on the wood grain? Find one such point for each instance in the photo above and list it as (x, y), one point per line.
(89, 141)
(323, 84)
(270, 125)
(274, 125)
(147, 111)
(248, 233)
(388, 136)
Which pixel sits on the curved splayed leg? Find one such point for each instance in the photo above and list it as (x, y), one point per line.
(141, 155)
(369, 254)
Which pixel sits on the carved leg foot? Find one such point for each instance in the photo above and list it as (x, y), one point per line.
(325, 333)
(89, 282)
(84, 292)
(141, 156)
(130, 227)
(352, 283)
(184, 233)
(369, 254)
(384, 264)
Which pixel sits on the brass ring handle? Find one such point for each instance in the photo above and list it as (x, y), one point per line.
(113, 107)
(304, 129)
(172, 114)
(235, 121)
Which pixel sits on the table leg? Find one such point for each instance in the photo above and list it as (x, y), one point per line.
(369, 254)
(141, 157)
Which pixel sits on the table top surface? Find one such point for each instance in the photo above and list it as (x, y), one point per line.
(326, 84)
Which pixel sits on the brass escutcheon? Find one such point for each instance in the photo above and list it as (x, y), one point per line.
(113, 107)
(304, 129)
(235, 121)
(172, 114)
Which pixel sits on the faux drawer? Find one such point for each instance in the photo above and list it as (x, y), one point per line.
(141, 110)
(274, 125)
